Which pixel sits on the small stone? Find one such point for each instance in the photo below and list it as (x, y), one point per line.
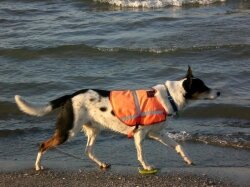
(210, 182)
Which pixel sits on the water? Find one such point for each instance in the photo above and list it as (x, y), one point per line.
(52, 48)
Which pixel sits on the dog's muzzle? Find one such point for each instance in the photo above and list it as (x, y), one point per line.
(213, 94)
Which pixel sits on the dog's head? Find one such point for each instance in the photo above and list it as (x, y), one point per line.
(196, 89)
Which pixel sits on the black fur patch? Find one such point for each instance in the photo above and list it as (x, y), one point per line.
(79, 92)
(103, 109)
(112, 112)
(103, 93)
(65, 120)
(60, 101)
(194, 86)
(92, 99)
(41, 146)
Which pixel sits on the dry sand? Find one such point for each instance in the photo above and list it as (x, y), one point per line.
(60, 178)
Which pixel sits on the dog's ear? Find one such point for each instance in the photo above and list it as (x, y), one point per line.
(189, 77)
(189, 73)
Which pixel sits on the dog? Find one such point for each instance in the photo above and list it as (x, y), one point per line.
(90, 110)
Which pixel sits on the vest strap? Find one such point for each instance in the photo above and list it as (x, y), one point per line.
(131, 133)
(172, 102)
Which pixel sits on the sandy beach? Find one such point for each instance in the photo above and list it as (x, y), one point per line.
(51, 177)
(22, 174)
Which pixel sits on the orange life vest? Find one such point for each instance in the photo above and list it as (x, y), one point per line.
(137, 107)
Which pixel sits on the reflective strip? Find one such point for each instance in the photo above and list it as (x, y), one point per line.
(143, 114)
(126, 118)
(152, 113)
(137, 104)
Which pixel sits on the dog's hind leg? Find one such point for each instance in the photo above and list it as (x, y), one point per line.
(138, 138)
(64, 124)
(91, 134)
(164, 139)
(55, 140)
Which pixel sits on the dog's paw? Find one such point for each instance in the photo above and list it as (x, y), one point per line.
(188, 161)
(146, 172)
(105, 166)
(149, 168)
(39, 168)
(191, 164)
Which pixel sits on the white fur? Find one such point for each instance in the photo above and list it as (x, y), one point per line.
(38, 162)
(32, 109)
(89, 118)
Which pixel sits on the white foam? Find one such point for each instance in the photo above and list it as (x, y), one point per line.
(156, 3)
(180, 136)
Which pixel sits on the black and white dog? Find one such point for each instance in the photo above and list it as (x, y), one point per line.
(91, 111)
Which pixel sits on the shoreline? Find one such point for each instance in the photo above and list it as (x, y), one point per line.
(21, 173)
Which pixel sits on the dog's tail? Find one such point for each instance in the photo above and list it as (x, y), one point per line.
(39, 110)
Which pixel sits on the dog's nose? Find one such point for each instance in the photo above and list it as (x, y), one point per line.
(218, 94)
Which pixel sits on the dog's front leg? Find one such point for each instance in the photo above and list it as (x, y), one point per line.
(181, 151)
(138, 138)
(164, 139)
(92, 133)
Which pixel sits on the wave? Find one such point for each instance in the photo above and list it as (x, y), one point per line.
(156, 3)
(58, 51)
(18, 132)
(218, 111)
(86, 50)
(8, 109)
(236, 140)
